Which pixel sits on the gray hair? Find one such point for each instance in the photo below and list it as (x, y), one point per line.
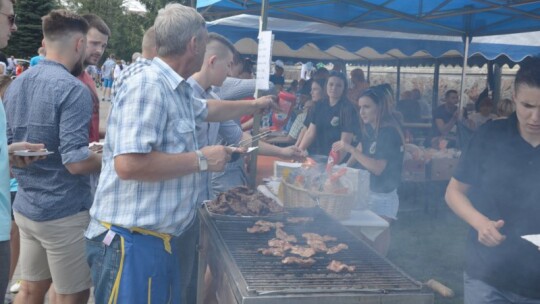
(175, 25)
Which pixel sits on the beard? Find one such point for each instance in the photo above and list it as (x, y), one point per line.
(77, 69)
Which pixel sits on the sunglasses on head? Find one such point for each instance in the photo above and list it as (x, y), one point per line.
(11, 18)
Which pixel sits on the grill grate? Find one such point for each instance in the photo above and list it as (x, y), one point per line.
(266, 274)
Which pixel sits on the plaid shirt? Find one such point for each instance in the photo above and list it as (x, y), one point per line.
(133, 69)
(153, 111)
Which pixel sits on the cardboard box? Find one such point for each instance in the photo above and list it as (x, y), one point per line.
(442, 169)
(413, 170)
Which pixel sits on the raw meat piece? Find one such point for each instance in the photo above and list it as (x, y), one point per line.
(300, 261)
(337, 248)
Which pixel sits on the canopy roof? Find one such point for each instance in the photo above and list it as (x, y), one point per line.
(460, 18)
(324, 42)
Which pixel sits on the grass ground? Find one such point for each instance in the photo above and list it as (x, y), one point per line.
(430, 244)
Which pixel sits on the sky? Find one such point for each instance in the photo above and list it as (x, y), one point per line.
(134, 5)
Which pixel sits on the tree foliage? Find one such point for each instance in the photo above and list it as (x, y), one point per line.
(25, 42)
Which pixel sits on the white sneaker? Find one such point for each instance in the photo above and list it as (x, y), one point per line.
(15, 287)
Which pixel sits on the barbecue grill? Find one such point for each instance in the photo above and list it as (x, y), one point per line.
(242, 275)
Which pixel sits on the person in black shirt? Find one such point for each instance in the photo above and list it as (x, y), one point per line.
(332, 119)
(446, 115)
(380, 151)
(495, 190)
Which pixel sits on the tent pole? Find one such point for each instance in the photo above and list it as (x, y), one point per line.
(368, 71)
(435, 96)
(194, 4)
(398, 82)
(257, 117)
(497, 75)
(463, 71)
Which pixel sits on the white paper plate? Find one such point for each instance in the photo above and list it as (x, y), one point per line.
(32, 153)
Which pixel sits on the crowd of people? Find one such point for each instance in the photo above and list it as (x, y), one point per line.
(121, 216)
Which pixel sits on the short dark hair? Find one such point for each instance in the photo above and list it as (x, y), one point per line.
(58, 23)
(528, 73)
(449, 92)
(222, 40)
(95, 21)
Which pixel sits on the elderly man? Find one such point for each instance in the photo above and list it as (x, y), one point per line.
(152, 161)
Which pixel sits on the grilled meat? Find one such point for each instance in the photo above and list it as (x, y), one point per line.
(264, 226)
(299, 220)
(277, 243)
(259, 229)
(272, 251)
(337, 248)
(282, 235)
(244, 201)
(314, 236)
(299, 261)
(305, 252)
(317, 245)
(337, 266)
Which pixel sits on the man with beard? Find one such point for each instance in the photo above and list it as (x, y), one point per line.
(96, 42)
(147, 195)
(47, 104)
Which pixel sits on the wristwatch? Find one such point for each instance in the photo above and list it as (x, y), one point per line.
(203, 161)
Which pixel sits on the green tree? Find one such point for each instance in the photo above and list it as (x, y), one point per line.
(25, 42)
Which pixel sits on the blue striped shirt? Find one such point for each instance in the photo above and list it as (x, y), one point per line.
(48, 105)
(153, 111)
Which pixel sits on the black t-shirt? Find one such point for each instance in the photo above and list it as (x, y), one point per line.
(503, 171)
(331, 122)
(441, 113)
(410, 109)
(277, 80)
(387, 145)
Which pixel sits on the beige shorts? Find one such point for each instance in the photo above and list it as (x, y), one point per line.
(55, 249)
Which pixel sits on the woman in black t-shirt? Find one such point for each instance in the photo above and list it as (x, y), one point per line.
(380, 151)
(333, 119)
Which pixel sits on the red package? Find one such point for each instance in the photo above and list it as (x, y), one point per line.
(333, 159)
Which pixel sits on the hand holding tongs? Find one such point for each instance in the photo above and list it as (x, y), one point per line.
(248, 142)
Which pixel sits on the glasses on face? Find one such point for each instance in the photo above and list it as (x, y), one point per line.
(11, 18)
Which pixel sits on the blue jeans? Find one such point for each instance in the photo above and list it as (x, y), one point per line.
(4, 268)
(478, 292)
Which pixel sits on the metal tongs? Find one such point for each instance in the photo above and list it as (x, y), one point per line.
(248, 142)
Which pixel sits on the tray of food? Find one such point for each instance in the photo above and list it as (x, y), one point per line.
(243, 202)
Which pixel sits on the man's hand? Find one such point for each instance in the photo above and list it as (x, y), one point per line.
(24, 161)
(266, 103)
(217, 157)
(488, 233)
(294, 153)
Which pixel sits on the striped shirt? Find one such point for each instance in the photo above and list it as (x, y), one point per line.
(133, 69)
(153, 111)
(209, 132)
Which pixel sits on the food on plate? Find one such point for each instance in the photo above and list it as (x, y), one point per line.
(264, 226)
(272, 251)
(282, 235)
(305, 252)
(244, 201)
(337, 266)
(299, 220)
(337, 248)
(299, 261)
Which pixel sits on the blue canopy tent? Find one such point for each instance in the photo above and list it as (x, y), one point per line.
(324, 42)
(461, 18)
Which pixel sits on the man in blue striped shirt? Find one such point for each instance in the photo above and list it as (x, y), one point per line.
(152, 161)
